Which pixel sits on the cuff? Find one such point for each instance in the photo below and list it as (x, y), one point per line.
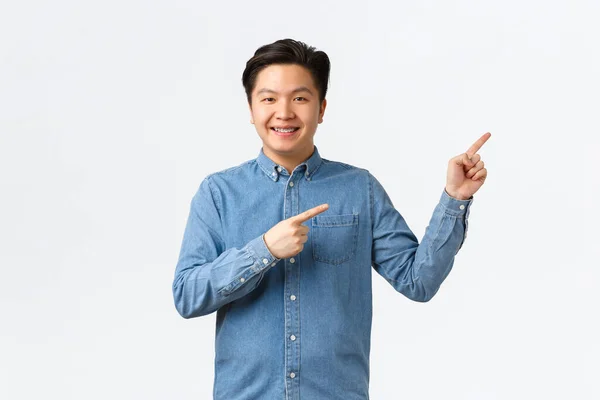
(260, 254)
(455, 206)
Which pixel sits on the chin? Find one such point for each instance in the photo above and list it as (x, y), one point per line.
(289, 148)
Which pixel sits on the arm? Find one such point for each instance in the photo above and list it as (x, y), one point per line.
(207, 276)
(413, 269)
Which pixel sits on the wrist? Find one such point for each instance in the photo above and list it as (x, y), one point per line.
(267, 246)
(456, 195)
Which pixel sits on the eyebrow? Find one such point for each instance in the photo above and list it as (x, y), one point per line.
(298, 89)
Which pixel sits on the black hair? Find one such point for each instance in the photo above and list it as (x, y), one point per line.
(288, 51)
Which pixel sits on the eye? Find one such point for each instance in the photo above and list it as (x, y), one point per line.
(303, 98)
(268, 98)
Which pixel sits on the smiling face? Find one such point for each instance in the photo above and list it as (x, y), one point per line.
(285, 111)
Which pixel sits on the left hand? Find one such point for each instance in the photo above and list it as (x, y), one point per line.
(465, 172)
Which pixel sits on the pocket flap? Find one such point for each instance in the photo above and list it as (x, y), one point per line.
(335, 220)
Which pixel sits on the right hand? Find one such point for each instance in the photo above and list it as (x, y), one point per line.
(287, 238)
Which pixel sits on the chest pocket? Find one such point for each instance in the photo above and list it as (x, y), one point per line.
(334, 237)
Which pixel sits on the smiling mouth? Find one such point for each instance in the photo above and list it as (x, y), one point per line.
(284, 131)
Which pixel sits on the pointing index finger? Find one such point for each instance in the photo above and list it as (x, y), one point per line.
(308, 214)
(477, 145)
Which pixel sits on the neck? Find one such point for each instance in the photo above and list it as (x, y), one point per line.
(289, 161)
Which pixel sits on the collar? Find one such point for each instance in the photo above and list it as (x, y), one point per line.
(269, 167)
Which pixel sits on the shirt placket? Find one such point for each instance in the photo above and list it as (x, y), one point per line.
(292, 299)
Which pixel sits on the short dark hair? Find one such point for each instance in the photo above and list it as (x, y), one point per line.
(288, 51)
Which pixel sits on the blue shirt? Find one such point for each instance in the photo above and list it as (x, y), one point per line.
(300, 328)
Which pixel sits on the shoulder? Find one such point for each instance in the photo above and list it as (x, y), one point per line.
(232, 173)
(212, 183)
(359, 175)
(344, 168)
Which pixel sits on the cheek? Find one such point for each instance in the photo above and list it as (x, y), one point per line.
(261, 116)
(312, 119)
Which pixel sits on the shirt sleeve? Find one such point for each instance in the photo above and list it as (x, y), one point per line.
(413, 269)
(206, 275)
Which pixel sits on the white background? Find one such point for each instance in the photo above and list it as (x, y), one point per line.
(112, 112)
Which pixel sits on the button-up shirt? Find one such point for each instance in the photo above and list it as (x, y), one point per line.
(299, 328)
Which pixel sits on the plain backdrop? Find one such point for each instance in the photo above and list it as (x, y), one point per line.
(112, 113)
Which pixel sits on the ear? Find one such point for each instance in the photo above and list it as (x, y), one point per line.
(322, 111)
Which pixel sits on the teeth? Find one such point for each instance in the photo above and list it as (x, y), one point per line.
(285, 130)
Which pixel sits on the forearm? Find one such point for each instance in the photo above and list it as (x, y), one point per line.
(442, 240)
(201, 287)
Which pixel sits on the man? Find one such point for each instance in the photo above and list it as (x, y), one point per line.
(282, 246)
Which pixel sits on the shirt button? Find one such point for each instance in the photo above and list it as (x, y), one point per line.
(462, 207)
(293, 297)
(292, 375)
(291, 183)
(279, 169)
(242, 280)
(292, 260)
(274, 173)
(265, 261)
(293, 337)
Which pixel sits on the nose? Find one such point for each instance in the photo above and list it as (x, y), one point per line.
(284, 110)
